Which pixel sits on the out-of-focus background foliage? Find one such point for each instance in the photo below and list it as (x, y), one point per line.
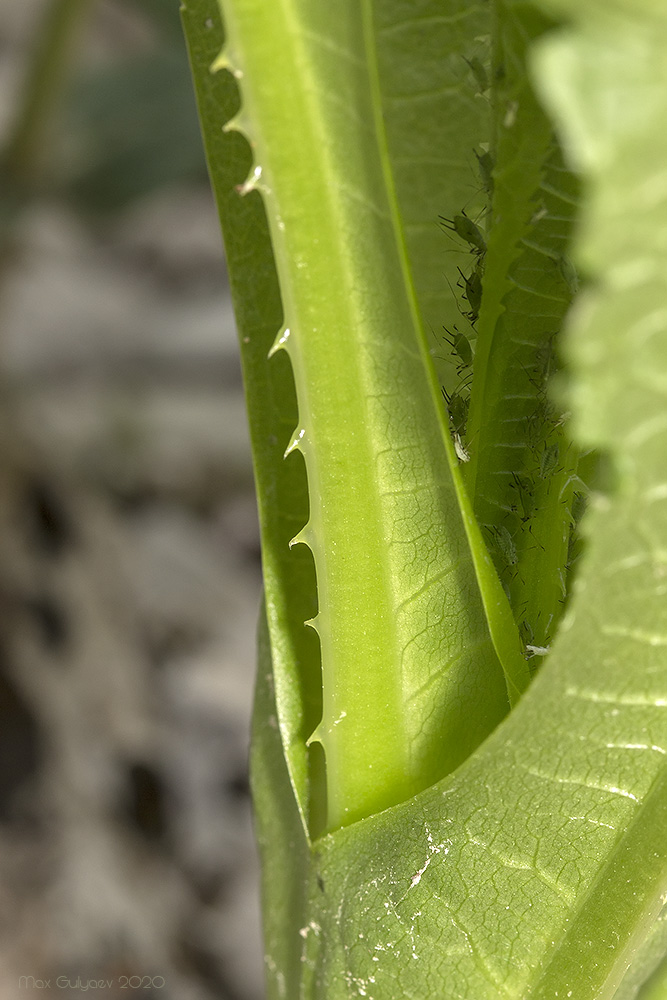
(129, 565)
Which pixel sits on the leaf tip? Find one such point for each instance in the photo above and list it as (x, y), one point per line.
(317, 736)
(296, 443)
(225, 61)
(238, 123)
(280, 343)
(303, 537)
(313, 623)
(252, 181)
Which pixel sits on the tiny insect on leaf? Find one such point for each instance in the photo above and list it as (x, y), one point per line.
(467, 230)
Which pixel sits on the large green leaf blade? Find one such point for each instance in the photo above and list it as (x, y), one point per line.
(410, 681)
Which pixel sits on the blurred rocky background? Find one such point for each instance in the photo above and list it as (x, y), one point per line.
(129, 562)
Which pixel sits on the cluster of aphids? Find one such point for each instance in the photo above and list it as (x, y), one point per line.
(544, 461)
(472, 241)
(461, 348)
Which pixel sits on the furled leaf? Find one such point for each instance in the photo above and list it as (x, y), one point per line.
(523, 469)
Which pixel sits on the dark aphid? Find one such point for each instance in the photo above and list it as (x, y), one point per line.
(574, 548)
(505, 544)
(478, 70)
(469, 315)
(526, 631)
(549, 460)
(485, 164)
(579, 505)
(472, 289)
(458, 416)
(458, 410)
(460, 345)
(467, 230)
(524, 488)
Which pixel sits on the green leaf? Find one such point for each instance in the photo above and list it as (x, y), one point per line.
(522, 473)
(410, 684)
(281, 485)
(434, 119)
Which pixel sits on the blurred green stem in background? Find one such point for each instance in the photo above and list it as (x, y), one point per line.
(25, 156)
